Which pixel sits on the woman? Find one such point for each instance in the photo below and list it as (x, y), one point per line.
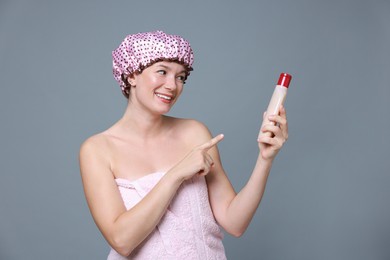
(154, 184)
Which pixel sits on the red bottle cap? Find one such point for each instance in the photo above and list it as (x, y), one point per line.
(284, 80)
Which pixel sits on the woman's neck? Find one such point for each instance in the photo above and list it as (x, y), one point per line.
(142, 123)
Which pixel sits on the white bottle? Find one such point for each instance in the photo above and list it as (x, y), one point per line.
(277, 100)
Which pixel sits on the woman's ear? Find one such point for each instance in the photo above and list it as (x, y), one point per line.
(131, 80)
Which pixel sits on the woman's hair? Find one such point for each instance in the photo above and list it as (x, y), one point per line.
(141, 50)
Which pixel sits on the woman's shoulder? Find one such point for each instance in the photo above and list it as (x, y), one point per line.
(94, 157)
(185, 122)
(191, 129)
(95, 144)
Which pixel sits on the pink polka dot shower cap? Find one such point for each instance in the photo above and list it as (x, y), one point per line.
(138, 51)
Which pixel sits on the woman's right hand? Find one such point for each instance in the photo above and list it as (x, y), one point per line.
(198, 161)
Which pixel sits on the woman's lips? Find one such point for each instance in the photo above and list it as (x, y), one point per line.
(164, 97)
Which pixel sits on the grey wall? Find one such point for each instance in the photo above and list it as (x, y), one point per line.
(328, 194)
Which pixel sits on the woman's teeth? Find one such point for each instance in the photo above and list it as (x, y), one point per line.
(163, 96)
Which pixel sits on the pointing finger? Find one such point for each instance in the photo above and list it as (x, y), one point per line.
(206, 146)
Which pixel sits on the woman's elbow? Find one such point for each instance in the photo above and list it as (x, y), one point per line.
(234, 229)
(121, 247)
(122, 251)
(237, 233)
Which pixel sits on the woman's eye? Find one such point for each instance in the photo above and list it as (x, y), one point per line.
(181, 78)
(162, 72)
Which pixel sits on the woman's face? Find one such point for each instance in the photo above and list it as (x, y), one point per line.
(158, 86)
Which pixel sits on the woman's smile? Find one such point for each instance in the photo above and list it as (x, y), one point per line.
(166, 98)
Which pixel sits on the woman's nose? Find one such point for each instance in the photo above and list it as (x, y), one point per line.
(170, 83)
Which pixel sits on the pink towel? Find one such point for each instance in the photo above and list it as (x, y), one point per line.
(188, 229)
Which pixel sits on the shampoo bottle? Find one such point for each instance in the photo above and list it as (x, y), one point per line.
(277, 100)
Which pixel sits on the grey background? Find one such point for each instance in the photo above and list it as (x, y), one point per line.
(328, 193)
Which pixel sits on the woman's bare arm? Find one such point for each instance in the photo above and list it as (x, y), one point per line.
(124, 230)
(235, 211)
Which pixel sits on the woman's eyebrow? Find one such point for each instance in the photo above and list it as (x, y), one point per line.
(164, 66)
(168, 68)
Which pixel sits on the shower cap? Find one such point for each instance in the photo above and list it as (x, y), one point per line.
(138, 51)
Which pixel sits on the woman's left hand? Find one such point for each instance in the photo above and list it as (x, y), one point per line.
(270, 146)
